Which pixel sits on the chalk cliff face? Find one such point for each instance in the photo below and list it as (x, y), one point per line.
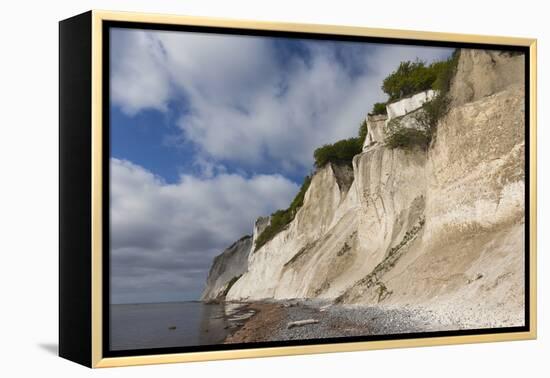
(410, 104)
(226, 269)
(441, 228)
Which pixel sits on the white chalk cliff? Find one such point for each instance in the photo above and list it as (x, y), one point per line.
(441, 228)
(226, 269)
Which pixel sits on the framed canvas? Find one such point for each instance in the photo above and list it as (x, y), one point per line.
(235, 189)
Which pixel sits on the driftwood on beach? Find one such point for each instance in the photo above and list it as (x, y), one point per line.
(299, 323)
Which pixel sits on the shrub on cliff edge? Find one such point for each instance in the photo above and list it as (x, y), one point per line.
(378, 108)
(341, 152)
(430, 113)
(414, 77)
(434, 110)
(408, 79)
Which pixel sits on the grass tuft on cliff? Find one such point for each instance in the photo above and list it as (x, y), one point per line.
(406, 138)
(281, 218)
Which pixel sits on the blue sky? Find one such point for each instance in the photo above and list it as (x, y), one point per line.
(208, 132)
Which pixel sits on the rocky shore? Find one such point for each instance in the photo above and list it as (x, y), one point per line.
(315, 319)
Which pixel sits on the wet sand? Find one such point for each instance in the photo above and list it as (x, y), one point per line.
(259, 327)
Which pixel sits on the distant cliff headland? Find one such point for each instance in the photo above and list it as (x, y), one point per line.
(423, 209)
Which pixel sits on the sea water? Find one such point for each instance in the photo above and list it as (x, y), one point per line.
(163, 325)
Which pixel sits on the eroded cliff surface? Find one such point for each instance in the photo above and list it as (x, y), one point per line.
(441, 227)
(226, 269)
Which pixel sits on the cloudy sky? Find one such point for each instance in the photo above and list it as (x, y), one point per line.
(210, 131)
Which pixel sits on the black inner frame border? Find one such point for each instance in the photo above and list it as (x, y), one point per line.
(106, 27)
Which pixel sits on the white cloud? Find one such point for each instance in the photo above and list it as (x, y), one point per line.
(247, 105)
(168, 233)
(140, 79)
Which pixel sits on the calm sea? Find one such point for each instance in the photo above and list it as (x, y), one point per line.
(161, 325)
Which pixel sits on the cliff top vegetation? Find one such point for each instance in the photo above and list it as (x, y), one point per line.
(441, 75)
(409, 78)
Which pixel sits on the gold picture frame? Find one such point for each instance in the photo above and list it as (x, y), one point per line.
(90, 331)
